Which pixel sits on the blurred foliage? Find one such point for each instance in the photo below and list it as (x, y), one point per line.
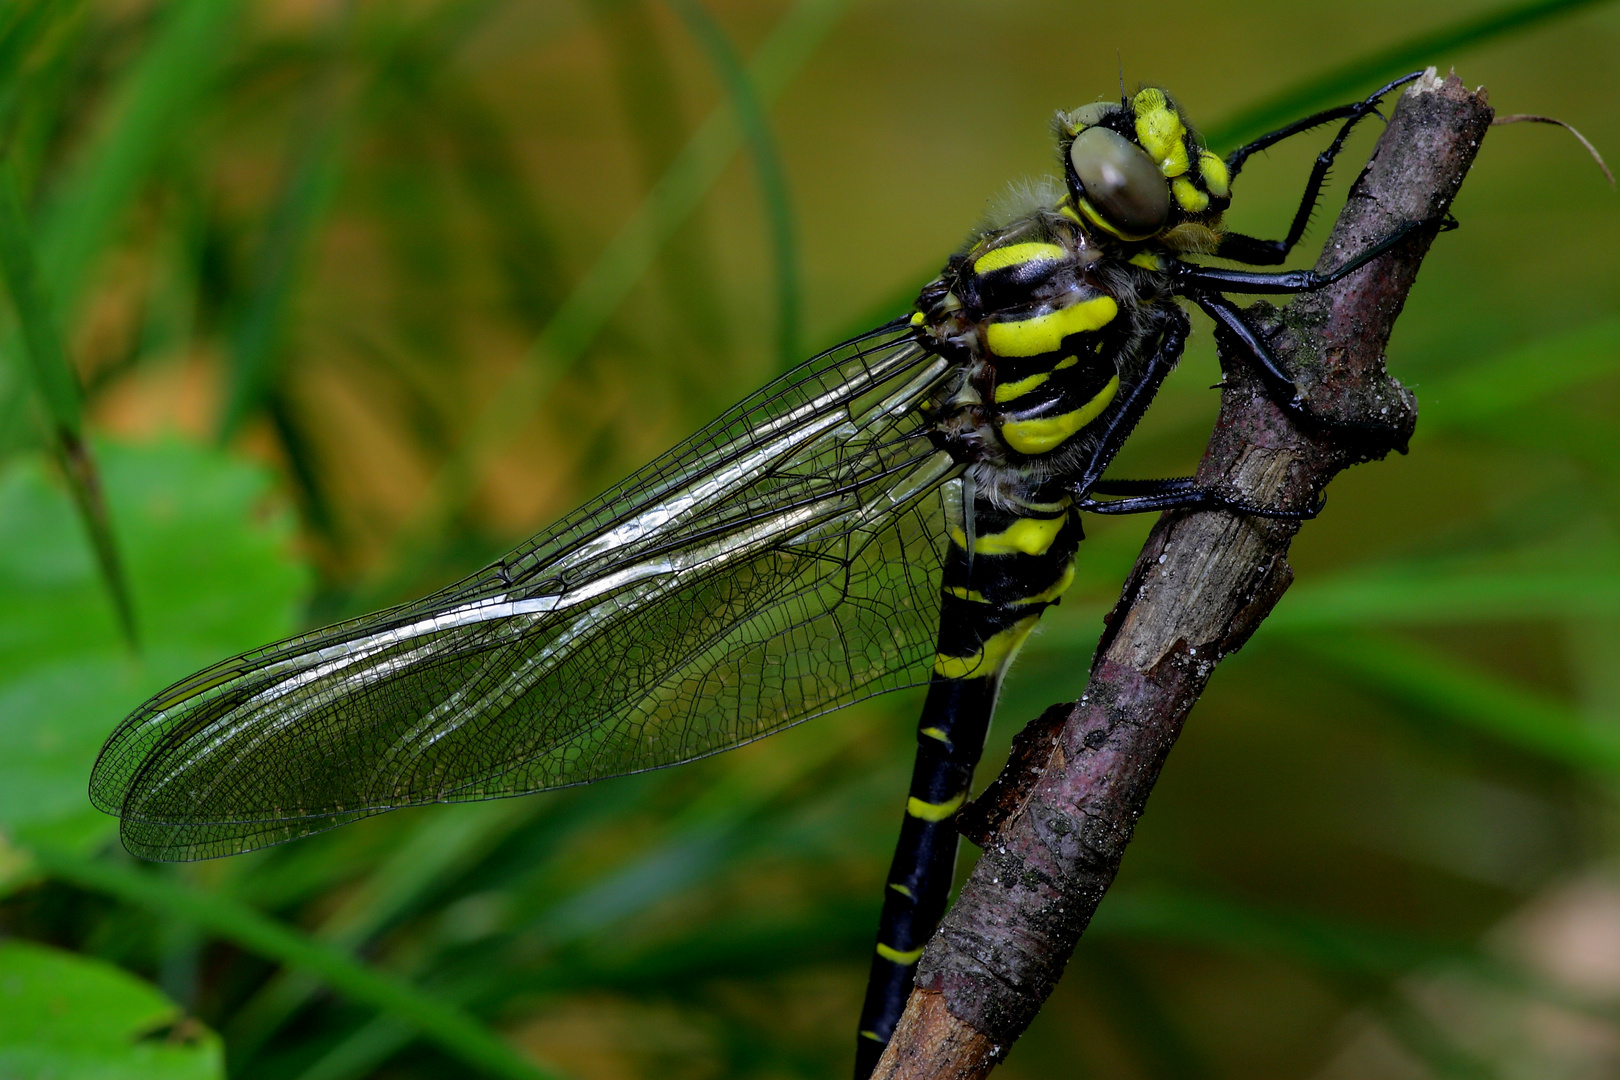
(71, 1016)
(349, 297)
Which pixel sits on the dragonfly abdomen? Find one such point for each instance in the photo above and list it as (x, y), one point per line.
(1000, 574)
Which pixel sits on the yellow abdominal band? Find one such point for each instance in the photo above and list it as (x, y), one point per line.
(993, 656)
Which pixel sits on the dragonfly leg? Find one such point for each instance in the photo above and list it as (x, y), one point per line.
(1279, 384)
(1258, 252)
(1180, 493)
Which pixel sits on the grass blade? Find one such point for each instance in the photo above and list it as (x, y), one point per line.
(603, 288)
(444, 1024)
(1362, 74)
(1514, 378)
(1419, 595)
(59, 392)
(437, 850)
(1471, 698)
(148, 110)
(756, 131)
(649, 93)
(311, 179)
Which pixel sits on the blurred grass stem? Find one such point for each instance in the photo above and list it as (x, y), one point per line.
(582, 316)
(444, 1024)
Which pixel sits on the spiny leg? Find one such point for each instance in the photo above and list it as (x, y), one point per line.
(1190, 278)
(1259, 252)
(1178, 493)
(1203, 285)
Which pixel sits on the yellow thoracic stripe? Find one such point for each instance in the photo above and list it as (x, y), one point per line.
(934, 811)
(1100, 221)
(1043, 434)
(1068, 211)
(936, 733)
(874, 1036)
(992, 656)
(1009, 391)
(962, 592)
(1146, 259)
(910, 956)
(901, 889)
(1017, 254)
(1044, 333)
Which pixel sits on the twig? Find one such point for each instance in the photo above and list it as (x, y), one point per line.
(1056, 824)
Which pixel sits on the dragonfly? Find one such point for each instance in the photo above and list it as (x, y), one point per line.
(898, 511)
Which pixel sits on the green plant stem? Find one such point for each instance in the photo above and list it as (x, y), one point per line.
(442, 1023)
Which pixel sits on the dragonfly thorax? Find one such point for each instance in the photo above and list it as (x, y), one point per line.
(1047, 326)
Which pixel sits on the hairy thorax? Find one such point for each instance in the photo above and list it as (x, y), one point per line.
(1049, 327)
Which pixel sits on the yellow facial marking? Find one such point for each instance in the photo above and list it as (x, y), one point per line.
(1016, 255)
(934, 811)
(1160, 131)
(1043, 434)
(910, 956)
(1009, 391)
(993, 656)
(1058, 589)
(901, 889)
(1097, 220)
(1188, 196)
(1146, 259)
(1045, 333)
(1216, 178)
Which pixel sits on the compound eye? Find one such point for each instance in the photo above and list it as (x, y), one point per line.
(1121, 182)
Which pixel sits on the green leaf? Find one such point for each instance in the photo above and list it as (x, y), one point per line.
(67, 1017)
(213, 574)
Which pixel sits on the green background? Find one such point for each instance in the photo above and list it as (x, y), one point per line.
(344, 299)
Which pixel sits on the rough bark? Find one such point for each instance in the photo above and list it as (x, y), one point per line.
(1055, 824)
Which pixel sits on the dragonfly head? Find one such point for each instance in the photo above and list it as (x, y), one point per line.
(1136, 170)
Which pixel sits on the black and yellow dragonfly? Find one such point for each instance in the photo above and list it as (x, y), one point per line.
(898, 511)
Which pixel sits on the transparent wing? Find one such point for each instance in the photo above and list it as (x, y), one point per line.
(781, 563)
